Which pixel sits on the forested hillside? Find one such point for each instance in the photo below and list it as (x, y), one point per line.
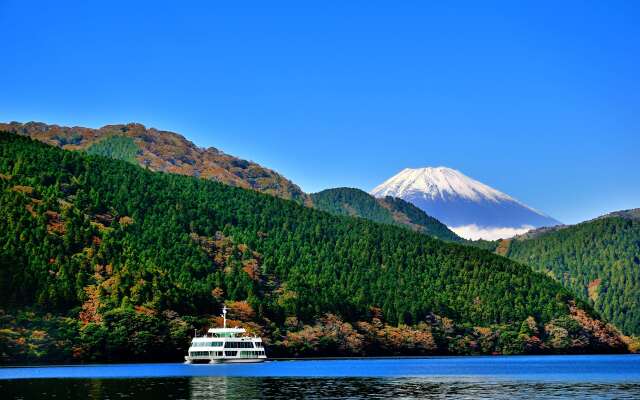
(387, 210)
(598, 260)
(103, 260)
(161, 151)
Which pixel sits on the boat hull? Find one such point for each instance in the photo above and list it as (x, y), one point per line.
(238, 360)
(189, 360)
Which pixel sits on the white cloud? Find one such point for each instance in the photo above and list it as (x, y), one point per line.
(475, 232)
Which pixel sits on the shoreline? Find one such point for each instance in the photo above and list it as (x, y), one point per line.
(287, 359)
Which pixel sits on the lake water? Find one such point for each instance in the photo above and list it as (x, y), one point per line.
(518, 377)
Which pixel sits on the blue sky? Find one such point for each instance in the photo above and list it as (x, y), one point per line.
(539, 100)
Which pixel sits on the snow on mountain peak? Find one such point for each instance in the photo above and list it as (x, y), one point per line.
(437, 182)
(468, 207)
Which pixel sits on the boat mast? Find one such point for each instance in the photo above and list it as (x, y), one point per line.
(224, 316)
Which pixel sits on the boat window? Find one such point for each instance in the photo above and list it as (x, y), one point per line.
(238, 345)
(206, 344)
(230, 353)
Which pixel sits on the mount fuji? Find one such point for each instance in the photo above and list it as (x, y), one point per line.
(470, 208)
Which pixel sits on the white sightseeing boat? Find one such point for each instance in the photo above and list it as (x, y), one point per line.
(228, 345)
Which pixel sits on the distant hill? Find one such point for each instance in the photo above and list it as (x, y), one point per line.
(387, 210)
(599, 260)
(101, 260)
(170, 152)
(161, 151)
(633, 214)
(470, 208)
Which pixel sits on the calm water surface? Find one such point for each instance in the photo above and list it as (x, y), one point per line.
(551, 377)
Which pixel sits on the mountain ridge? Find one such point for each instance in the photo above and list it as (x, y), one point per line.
(164, 151)
(633, 213)
(171, 152)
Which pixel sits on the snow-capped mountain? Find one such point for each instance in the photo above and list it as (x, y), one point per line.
(470, 208)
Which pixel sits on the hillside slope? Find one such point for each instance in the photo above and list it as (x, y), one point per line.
(161, 151)
(599, 260)
(103, 260)
(387, 210)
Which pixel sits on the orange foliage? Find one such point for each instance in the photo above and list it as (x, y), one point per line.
(54, 223)
(330, 329)
(90, 307)
(503, 247)
(30, 209)
(252, 268)
(240, 310)
(22, 189)
(593, 289)
(168, 152)
(145, 310)
(604, 333)
(217, 293)
(38, 335)
(331, 334)
(633, 344)
(125, 220)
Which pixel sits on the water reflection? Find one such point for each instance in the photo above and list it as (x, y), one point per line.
(406, 388)
(312, 388)
(225, 388)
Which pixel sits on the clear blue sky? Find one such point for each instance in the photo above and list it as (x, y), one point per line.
(539, 100)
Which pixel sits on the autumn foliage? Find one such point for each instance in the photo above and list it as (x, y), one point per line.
(145, 259)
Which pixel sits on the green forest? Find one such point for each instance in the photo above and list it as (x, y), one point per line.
(598, 260)
(352, 202)
(101, 260)
(388, 210)
(116, 147)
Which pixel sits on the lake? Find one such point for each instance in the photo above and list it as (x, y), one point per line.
(501, 377)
